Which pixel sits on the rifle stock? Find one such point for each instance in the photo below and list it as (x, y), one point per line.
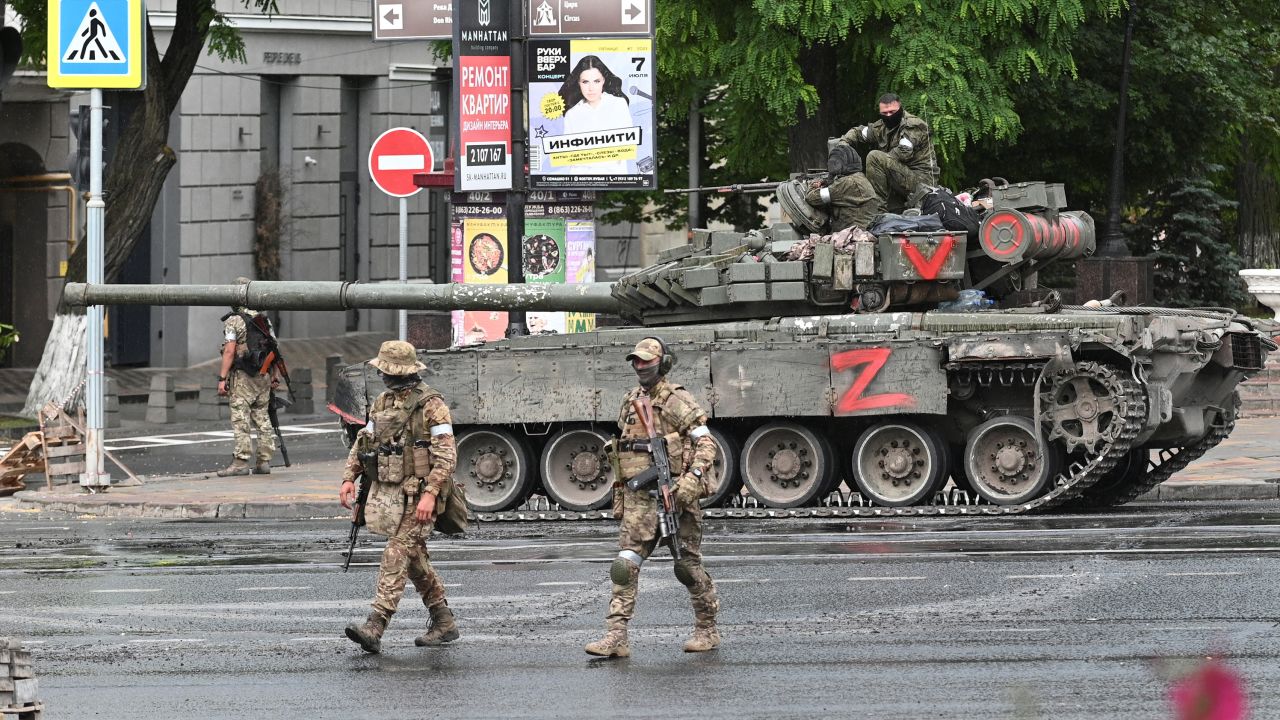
(668, 513)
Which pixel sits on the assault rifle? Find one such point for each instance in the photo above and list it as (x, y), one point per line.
(668, 513)
(369, 461)
(273, 407)
(767, 186)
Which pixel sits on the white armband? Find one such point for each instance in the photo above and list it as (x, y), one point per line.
(699, 432)
(825, 196)
(230, 336)
(445, 429)
(906, 144)
(865, 130)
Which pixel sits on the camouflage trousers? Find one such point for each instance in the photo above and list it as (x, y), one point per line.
(406, 558)
(637, 535)
(894, 182)
(249, 399)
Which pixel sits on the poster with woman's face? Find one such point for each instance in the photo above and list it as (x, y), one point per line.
(591, 117)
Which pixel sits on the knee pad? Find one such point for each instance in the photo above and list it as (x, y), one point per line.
(687, 573)
(627, 562)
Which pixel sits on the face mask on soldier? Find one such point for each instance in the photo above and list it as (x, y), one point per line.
(648, 375)
(399, 382)
(891, 121)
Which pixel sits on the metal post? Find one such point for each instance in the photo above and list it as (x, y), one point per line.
(93, 469)
(695, 163)
(404, 262)
(516, 324)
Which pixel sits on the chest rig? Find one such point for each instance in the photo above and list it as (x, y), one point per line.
(633, 446)
(403, 454)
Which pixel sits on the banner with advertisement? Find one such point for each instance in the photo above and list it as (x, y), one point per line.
(591, 114)
(559, 247)
(482, 100)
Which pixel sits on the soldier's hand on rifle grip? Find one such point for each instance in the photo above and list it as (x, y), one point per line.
(346, 494)
(426, 507)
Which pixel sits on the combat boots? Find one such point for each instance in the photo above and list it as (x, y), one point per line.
(443, 629)
(262, 468)
(237, 467)
(369, 635)
(703, 639)
(613, 644)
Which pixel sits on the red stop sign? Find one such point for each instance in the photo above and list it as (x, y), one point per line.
(396, 156)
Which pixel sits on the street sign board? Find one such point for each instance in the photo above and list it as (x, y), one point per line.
(396, 156)
(587, 18)
(96, 44)
(482, 95)
(413, 20)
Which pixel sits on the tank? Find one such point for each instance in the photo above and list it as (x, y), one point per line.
(842, 374)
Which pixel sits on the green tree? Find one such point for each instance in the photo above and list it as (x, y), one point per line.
(787, 74)
(143, 159)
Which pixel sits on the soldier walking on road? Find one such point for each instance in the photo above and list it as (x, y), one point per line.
(678, 419)
(248, 377)
(901, 160)
(411, 436)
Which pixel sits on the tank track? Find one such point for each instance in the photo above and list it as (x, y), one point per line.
(1169, 461)
(1068, 485)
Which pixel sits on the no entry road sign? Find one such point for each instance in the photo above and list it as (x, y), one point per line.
(396, 156)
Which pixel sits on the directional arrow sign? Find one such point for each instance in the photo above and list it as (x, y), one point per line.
(413, 20)
(590, 18)
(396, 156)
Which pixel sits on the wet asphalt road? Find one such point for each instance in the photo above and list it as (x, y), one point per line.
(1068, 617)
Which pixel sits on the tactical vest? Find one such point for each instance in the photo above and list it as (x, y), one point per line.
(668, 419)
(395, 429)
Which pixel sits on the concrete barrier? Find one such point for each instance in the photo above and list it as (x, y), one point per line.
(162, 403)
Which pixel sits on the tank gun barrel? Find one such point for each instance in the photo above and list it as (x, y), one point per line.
(760, 187)
(335, 295)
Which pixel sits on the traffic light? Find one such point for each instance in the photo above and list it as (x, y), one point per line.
(10, 51)
(78, 161)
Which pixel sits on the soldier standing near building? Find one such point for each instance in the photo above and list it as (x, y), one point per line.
(845, 193)
(249, 385)
(901, 159)
(677, 418)
(411, 436)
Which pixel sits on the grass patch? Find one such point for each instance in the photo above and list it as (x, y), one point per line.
(13, 422)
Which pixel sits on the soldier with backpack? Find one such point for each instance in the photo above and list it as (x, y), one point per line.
(250, 370)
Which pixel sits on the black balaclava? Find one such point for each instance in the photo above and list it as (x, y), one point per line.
(400, 382)
(891, 121)
(649, 375)
(843, 160)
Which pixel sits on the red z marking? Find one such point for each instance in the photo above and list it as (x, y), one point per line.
(874, 359)
(928, 269)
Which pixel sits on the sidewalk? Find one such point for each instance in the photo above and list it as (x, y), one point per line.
(1244, 467)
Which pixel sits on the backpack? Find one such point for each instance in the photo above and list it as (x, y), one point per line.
(954, 214)
(890, 223)
(451, 504)
(262, 351)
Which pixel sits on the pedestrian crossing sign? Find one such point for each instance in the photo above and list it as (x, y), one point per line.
(96, 44)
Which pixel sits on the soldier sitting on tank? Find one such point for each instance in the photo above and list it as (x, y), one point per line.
(901, 164)
(845, 193)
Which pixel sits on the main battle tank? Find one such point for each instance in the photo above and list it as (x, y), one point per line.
(838, 370)
(833, 381)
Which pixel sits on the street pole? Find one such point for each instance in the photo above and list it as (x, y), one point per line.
(93, 475)
(516, 324)
(404, 262)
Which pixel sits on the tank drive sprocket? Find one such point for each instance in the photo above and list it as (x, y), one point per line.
(1084, 406)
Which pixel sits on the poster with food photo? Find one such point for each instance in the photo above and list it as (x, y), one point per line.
(484, 261)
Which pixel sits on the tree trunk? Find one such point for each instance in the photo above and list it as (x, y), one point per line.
(132, 185)
(807, 137)
(1258, 229)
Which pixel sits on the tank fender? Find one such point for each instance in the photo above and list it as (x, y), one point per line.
(991, 348)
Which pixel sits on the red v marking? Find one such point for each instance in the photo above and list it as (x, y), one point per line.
(929, 269)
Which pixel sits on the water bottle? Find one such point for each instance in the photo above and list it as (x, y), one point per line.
(970, 300)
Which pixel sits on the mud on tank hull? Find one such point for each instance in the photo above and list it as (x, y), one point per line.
(913, 413)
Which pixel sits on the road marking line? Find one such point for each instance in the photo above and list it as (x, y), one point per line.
(730, 581)
(1041, 577)
(306, 430)
(168, 640)
(127, 590)
(561, 584)
(317, 639)
(452, 584)
(1200, 574)
(7, 592)
(873, 578)
(1012, 630)
(51, 527)
(277, 587)
(1198, 629)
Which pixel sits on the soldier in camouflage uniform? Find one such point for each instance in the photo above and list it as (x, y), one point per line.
(415, 416)
(846, 194)
(250, 394)
(676, 416)
(901, 164)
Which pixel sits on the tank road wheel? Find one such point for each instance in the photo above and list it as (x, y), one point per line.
(786, 465)
(1082, 407)
(1003, 461)
(899, 463)
(496, 467)
(575, 469)
(725, 480)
